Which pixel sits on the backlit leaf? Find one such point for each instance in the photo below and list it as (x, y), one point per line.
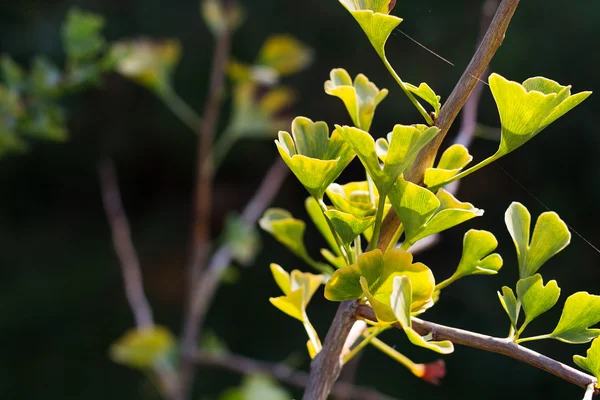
(580, 312)
(509, 303)
(536, 298)
(347, 225)
(143, 348)
(591, 362)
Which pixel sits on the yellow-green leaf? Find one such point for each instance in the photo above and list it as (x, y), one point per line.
(509, 303)
(591, 362)
(285, 54)
(425, 92)
(550, 236)
(454, 159)
(580, 312)
(143, 348)
(348, 226)
(360, 97)
(315, 158)
(536, 298)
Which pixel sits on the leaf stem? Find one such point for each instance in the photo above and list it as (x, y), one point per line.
(415, 368)
(412, 98)
(313, 336)
(469, 171)
(180, 108)
(367, 339)
(532, 338)
(445, 284)
(378, 221)
(343, 249)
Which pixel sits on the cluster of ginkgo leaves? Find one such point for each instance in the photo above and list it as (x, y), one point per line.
(387, 279)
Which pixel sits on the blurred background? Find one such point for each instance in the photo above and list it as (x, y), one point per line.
(61, 295)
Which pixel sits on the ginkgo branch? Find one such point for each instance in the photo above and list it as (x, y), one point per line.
(504, 346)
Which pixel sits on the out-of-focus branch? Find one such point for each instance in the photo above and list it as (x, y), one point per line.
(121, 236)
(459, 96)
(503, 346)
(203, 197)
(222, 258)
(130, 265)
(282, 373)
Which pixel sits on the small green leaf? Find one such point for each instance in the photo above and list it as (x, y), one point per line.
(361, 98)
(401, 300)
(383, 311)
(379, 270)
(81, 36)
(476, 258)
(536, 298)
(454, 159)
(242, 239)
(424, 213)
(509, 303)
(581, 311)
(591, 362)
(256, 387)
(550, 236)
(298, 289)
(373, 17)
(285, 54)
(347, 225)
(315, 158)
(398, 152)
(425, 92)
(286, 229)
(220, 17)
(143, 348)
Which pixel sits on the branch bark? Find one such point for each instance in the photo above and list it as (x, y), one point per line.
(485, 52)
(492, 344)
(282, 373)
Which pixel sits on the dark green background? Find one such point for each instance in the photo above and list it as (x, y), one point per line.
(61, 297)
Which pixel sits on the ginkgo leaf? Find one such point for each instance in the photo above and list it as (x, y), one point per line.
(373, 17)
(315, 158)
(360, 97)
(379, 270)
(398, 152)
(285, 54)
(348, 226)
(423, 213)
(143, 348)
(580, 312)
(510, 305)
(292, 304)
(550, 236)
(401, 300)
(536, 298)
(525, 110)
(591, 362)
(289, 231)
(425, 92)
(476, 258)
(454, 159)
(353, 198)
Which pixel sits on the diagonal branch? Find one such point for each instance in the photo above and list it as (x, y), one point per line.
(494, 345)
(282, 373)
(326, 366)
(204, 293)
(121, 236)
(485, 52)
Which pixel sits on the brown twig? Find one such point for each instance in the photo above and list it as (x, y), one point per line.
(121, 236)
(283, 373)
(494, 345)
(480, 61)
(203, 198)
(130, 265)
(221, 259)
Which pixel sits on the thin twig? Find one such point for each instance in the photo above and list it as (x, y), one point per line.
(325, 367)
(130, 266)
(282, 373)
(459, 96)
(203, 198)
(121, 236)
(494, 345)
(222, 258)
